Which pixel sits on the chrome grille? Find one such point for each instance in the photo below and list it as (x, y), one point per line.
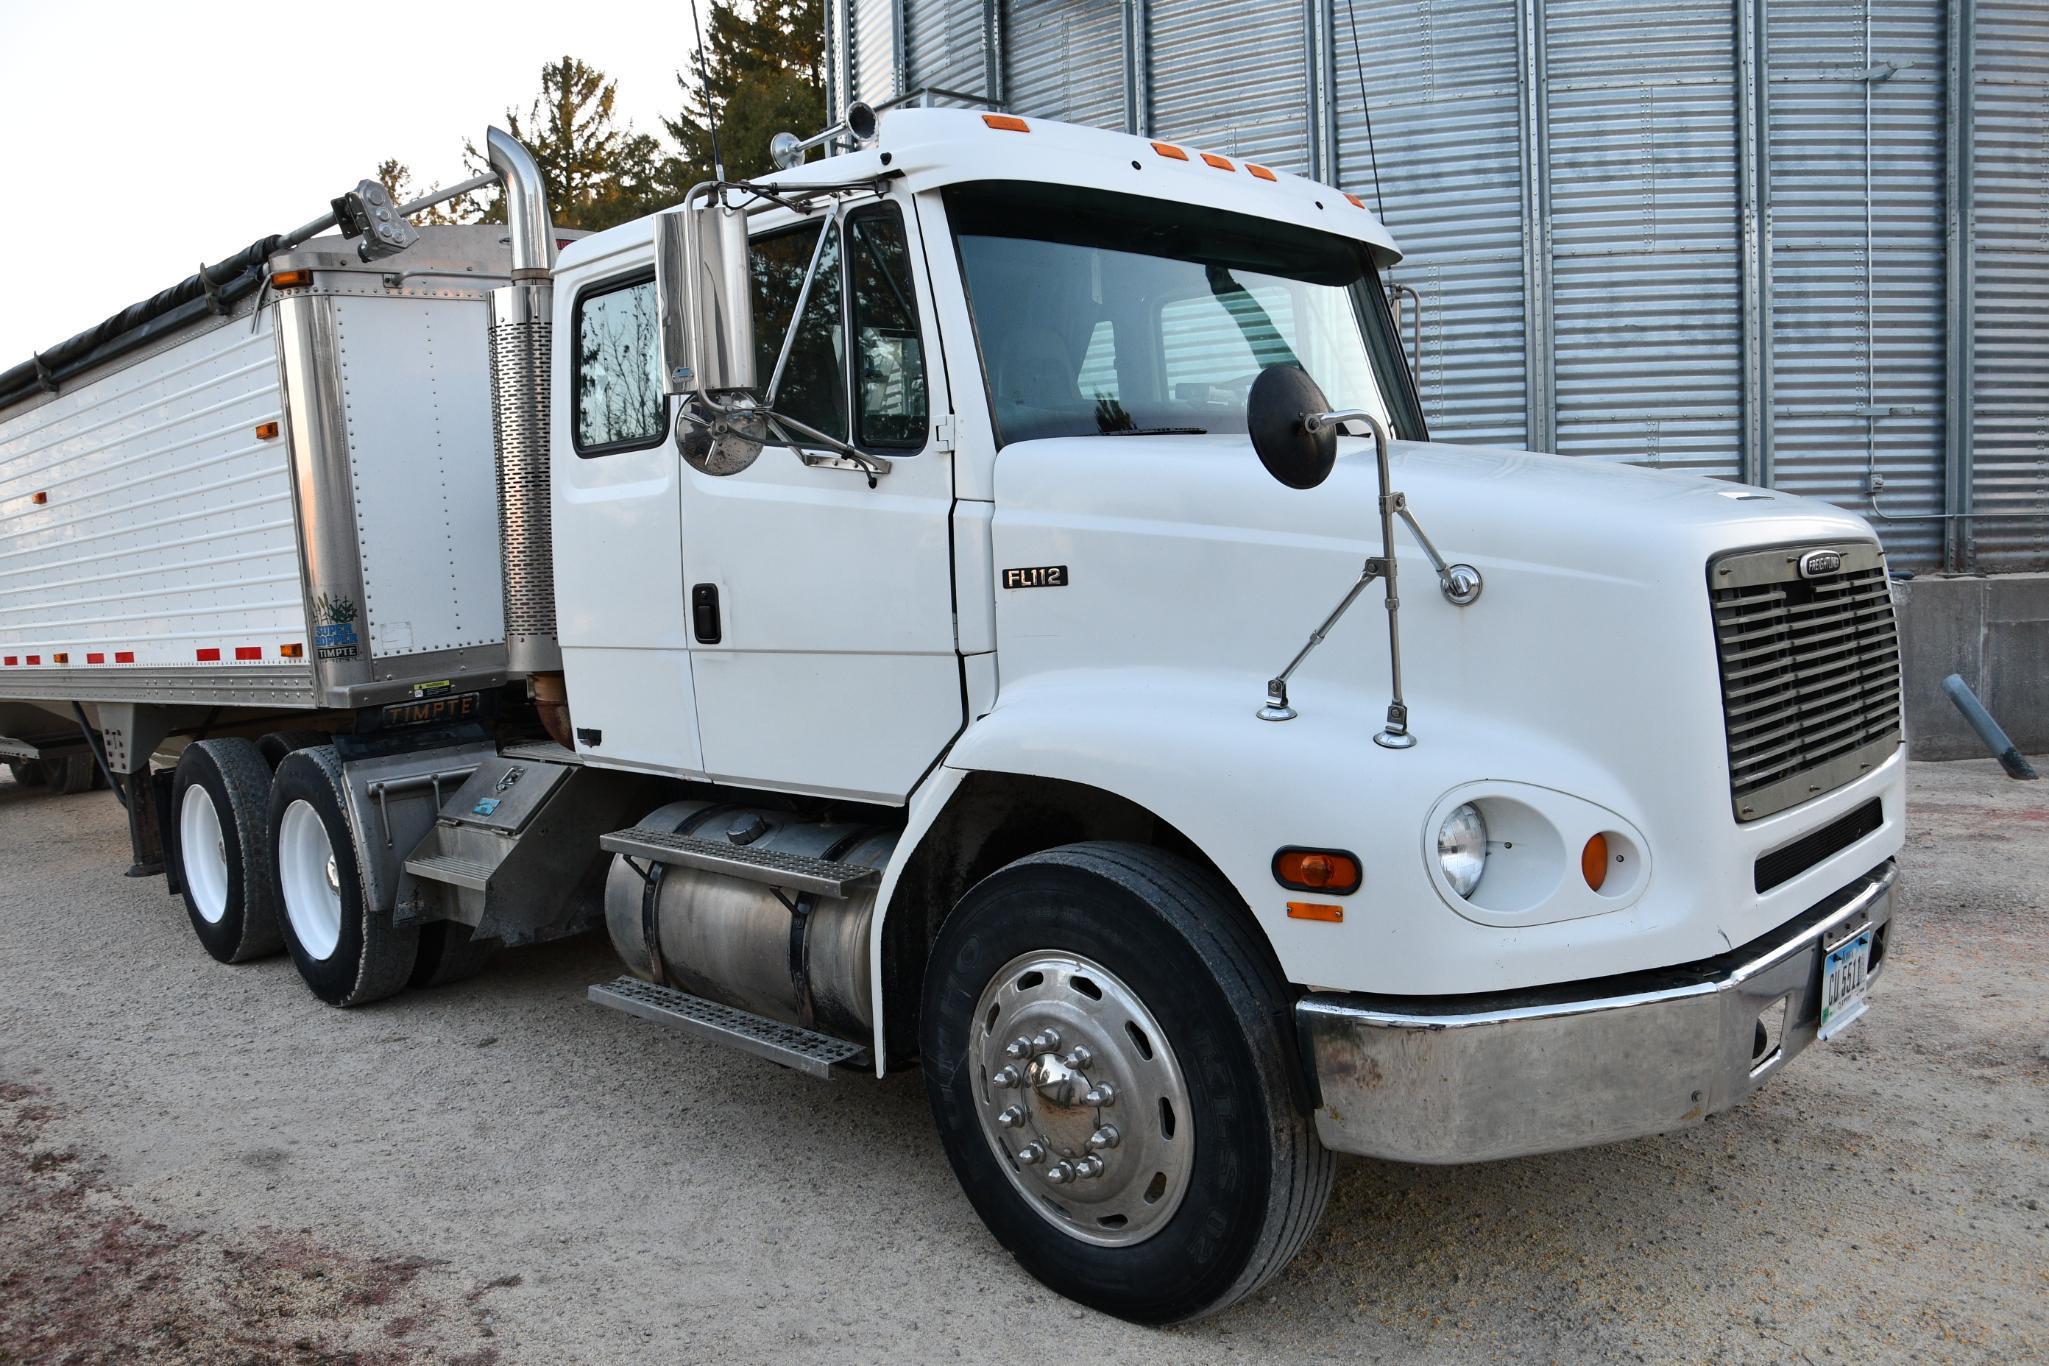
(1810, 672)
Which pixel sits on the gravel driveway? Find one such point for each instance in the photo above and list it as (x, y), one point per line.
(200, 1162)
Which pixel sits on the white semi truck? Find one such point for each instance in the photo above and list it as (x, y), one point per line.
(878, 592)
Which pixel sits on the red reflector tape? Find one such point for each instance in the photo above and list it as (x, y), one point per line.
(209, 656)
(124, 656)
(95, 658)
(248, 652)
(35, 659)
(13, 660)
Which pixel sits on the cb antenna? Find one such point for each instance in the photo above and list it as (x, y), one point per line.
(1366, 107)
(711, 106)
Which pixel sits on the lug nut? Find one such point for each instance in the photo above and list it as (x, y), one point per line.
(1100, 1094)
(1078, 1056)
(1105, 1137)
(1005, 1079)
(1060, 1173)
(1011, 1117)
(1046, 1040)
(1018, 1047)
(1088, 1168)
(1032, 1153)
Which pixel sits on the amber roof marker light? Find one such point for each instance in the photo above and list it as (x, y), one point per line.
(1008, 123)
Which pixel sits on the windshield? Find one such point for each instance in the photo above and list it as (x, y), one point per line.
(1106, 314)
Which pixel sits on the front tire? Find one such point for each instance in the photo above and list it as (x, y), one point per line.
(220, 795)
(1166, 1169)
(348, 953)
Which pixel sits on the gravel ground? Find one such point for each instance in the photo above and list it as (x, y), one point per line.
(201, 1163)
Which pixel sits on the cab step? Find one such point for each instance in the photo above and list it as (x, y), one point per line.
(813, 1054)
(451, 870)
(791, 872)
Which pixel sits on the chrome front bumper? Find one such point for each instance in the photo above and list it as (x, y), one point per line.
(1473, 1079)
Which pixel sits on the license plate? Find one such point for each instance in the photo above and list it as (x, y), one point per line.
(1845, 973)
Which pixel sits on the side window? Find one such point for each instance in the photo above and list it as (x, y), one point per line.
(814, 389)
(617, 372)
(889, 384)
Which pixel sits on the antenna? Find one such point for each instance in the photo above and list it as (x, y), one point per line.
(711, 107)
(1366, 106)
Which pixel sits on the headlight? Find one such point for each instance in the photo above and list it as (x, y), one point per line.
(1462, 848)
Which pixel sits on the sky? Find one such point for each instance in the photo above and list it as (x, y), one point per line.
(143, 139)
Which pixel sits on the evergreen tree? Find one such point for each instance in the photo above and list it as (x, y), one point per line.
(598, 171)
(766, 75)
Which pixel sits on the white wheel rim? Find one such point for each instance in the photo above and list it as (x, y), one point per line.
(309, 879)
(204, 852)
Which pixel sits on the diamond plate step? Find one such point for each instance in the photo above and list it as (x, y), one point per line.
(815, 1055)
(793, 872)
(452, 870)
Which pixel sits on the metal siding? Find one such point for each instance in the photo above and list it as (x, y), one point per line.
(169, 526)
(1064, 59)
(1833, 361)
(943, 46)
(1232, 76)
(873, 59)
(2010, 378)
(1642, 118)
(1442, 80)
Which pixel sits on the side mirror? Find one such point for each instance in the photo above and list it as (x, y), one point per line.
(1281, 398)
(704, 294)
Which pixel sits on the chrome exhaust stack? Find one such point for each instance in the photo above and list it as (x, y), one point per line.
(521, 349)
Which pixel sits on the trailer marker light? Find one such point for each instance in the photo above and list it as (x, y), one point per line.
(1260, 171)
(291, 279)
(60, 658)
(208, 656)
(1170, 151)
(95, 658)
(13, 660)
(248, 652)
(35, 659)
(1593, 862)
(1221, 163)
(1008, 123)
(1317, 870)
(124, 656)
(292, 651)
(266, 431)
(39, 497)
(1311, 910)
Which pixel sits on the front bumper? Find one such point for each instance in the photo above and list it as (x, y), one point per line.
(1476, 1078)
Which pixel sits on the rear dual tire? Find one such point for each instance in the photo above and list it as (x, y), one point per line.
(219, 798)
(348, 954)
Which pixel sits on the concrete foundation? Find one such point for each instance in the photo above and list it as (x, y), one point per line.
(1992, 630)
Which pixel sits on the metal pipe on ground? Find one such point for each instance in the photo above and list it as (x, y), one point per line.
(2009, 756)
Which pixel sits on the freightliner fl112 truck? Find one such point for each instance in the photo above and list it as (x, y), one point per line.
(902, 599)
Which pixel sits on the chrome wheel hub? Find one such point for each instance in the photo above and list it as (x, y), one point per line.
(1082, 1099)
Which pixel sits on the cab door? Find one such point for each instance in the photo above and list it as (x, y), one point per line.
(821, 609)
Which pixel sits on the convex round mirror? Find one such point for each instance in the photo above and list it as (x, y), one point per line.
(716, 442)
(1281, 398)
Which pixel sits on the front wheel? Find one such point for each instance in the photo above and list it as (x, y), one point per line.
(1107, 1050)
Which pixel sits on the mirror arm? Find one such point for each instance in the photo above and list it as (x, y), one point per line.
(1395, 734)
(843, 455)
(782, 360)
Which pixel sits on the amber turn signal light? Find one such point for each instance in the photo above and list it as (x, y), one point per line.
(1317, 870)
(1593, 862)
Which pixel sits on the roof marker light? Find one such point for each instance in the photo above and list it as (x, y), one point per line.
(1260, 171)
(1170, 151)
(1357, 202)
(1008, 123)
(1221, 163)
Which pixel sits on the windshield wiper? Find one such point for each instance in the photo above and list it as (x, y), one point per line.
(1157, 431)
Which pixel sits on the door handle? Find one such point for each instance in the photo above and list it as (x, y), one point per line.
(704, 613)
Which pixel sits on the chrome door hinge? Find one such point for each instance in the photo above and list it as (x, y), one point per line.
(943, 431)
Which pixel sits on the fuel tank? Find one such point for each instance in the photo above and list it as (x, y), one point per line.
(803, 960)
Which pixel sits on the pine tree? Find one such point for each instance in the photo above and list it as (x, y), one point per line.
(766, 75)
(598, 171)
